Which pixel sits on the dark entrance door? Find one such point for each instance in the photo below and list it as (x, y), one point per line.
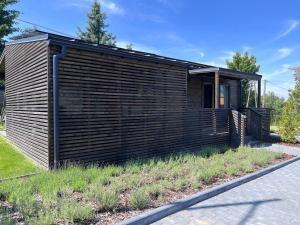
(208, 96)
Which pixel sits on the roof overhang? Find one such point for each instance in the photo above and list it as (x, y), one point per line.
(2, 66)
(226, 73)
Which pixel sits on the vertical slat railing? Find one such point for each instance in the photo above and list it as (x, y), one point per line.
(255, 124)
(237, 128)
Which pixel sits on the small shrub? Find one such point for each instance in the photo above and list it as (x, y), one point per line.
(289, 125)
(139, 199)
(71, 211)
(153, 190)
(196, 185)
(180, 184)
(108, 200)
(112, 171)
(79, 184)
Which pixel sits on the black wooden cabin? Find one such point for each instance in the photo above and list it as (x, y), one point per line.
(68, 100)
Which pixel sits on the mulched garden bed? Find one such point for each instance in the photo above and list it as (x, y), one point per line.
(124, 210)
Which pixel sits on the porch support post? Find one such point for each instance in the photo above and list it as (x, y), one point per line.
(259, 93)
(217, 82)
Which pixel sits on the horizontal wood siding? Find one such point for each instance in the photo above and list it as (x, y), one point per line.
(113, 109)
(26, 76)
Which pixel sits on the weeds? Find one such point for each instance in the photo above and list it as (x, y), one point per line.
(139, 199)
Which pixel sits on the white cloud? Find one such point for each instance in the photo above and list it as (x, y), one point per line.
(226, 55)
(281, 90)
(220, 61)
(194, 51)
(278, 54)
(174, 5)
(280, 80)
(284, 52)
(284, 70)
(246, 48)
(108, 5)
(291, 26)
(213, 63)
(183, 45)
(111, 6)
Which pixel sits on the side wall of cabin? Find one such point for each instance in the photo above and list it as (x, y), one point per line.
(114, 108)
(26, 77)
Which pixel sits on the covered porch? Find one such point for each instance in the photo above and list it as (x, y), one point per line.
(220, 88)
(216, 87)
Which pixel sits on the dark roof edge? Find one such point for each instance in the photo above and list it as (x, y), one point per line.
(42, 37)
(138, 55)
(118, 52)
(228, 72)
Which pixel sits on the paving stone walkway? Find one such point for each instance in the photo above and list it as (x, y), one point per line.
(273, 199)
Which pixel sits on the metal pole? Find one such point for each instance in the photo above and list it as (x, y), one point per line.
(265, 88)
(217, 77)
(259, 93)
(56, 129)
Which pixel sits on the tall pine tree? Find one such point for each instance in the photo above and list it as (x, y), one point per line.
(96, 27)
(7, 20)
(244, 63)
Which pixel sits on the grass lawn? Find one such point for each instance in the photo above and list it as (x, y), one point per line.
(274, 129)
(77, 195)
(13, 163)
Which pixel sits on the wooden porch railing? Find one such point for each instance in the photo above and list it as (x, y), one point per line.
(258, 122)
(255, 124)
(237, 128)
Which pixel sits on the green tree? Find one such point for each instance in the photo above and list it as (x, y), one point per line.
(290, 121)
(289, 125)
(295, 93)
(96, 27)
(7, 20)
(247, 64)
(276, 103)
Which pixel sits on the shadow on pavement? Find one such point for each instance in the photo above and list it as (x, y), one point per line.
(249, 214)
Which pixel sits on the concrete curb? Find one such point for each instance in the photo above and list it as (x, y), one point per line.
(166, 210)
(19, 177)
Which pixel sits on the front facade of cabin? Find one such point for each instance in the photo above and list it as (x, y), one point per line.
(115, 104)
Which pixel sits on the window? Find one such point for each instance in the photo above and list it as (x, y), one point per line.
(224, 96)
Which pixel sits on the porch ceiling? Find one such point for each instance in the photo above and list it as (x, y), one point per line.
(226, 73)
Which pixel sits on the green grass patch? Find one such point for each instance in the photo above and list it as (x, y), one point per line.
(274, 129)
(13, 163)
(76, 194)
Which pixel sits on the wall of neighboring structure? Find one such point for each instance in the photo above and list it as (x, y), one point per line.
(26, 77)
(2, 91)
(114, 108)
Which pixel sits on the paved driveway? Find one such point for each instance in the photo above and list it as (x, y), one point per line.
(270, 200)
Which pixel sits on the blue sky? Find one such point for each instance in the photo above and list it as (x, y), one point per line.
(202, 31)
